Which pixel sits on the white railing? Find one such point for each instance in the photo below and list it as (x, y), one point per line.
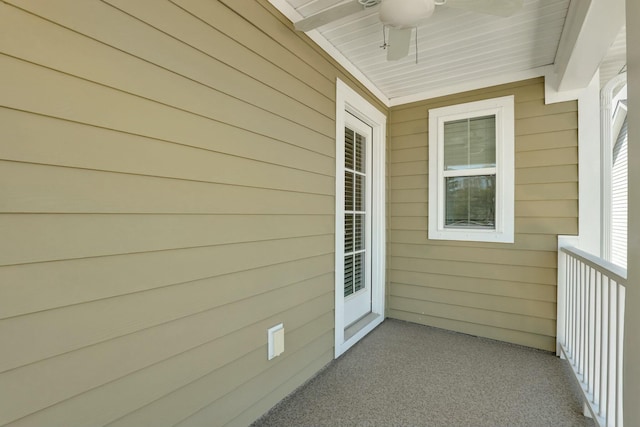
(591, 294)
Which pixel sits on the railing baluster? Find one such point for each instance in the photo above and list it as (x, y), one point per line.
(603, 349)
(582, 318)
(585, 321)
(576, 325)
(614, 364)
(572, 298)
(611, 348)
(620, 293)
(578, 315)
(567, 298)
(569, 283)
(597, 331)
(591, 330)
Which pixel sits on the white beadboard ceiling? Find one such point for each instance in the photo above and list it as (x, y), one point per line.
(455, 47)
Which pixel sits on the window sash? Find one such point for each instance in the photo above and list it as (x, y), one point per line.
(444, 173)
(470, 143)
(476, 216)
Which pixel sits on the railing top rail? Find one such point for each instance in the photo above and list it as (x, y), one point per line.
(613, 271)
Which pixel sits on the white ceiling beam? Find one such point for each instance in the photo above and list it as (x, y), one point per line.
(590, 29)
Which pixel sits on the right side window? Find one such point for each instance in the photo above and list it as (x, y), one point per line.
(471, 171)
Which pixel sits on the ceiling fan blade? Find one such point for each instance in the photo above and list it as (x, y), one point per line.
(329, 15)
(490, 7)
(399, 41)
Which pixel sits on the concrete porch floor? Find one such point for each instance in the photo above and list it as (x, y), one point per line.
(404, 374)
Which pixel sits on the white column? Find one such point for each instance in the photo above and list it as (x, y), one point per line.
(590, 221)
(632, 321)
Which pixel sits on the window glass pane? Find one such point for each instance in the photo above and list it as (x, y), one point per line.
(470, 202)
(470, 143)
(348, 148)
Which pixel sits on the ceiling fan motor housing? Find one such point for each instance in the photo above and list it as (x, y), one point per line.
(405, 13)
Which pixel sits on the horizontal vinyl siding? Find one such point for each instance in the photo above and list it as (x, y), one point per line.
(167, 180)
(500, 291)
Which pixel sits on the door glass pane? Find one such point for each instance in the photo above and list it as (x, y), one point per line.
(470, 143)
(348, 233)
(358, 241)
(348, 148)
(360, 153)
(470, 201)
(358, 271)
(348, 275)
(359, 193)
(348, 191)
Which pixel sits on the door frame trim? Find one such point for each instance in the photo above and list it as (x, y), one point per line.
(348, 100)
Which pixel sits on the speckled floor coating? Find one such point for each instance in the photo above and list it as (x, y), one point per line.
(403, 374)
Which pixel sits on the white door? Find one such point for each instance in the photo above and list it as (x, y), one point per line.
(360, 218)
(357, 219)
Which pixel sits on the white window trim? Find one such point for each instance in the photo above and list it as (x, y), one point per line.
(503, 109)
(348, 100)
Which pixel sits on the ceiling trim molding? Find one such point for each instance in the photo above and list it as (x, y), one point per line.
(591, 28)
(287, 10)
(552, 95)
(473, 85)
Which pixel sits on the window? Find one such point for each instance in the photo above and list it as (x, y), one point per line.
(614, 168)
(471, 171)
(619, 183)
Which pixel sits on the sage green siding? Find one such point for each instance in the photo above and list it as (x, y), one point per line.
(501, 291)
(166, 195)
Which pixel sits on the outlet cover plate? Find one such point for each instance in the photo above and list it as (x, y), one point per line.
(275, 340)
